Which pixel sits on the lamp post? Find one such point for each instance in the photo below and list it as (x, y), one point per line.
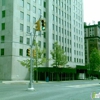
(31, 63)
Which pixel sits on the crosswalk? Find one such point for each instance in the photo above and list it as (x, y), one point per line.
(83, 85)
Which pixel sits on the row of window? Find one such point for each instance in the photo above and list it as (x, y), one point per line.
(59, 11)
(62, 4)
(21, 40)
(20, 52)
(28, 4)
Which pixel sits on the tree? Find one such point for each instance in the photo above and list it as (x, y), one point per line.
(38, 60)
(58, 56)
(94, 60)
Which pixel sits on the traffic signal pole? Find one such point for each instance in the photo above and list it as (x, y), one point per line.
(31, 64)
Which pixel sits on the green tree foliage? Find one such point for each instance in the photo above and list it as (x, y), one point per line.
(95, 60)
(58, 56)
(38, 60)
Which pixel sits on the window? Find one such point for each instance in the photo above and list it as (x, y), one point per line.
(21, 39)
(2, 39)
(28, 40)
(2, 51)
(21, 15)
(28, 29)
(45, 14)
(3, 26)
(39, 43)
(3, 14)
(53, 26)
(28, 6)
(34, 9)
(34, 20)
(44, 34)
(39, 11)
(44, 4)
(40, 2)
(28, 18)
(56, 37)
(53, 36)
(21, 52)
(22, 3)
(34, 31)
(44, 45)
(21, 27)
(3, 2)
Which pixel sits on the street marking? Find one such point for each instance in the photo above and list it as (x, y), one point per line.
(82, 86)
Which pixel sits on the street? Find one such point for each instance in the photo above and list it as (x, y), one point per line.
(66, 90)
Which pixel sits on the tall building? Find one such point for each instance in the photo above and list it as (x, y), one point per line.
(64, 24)
(92, 39)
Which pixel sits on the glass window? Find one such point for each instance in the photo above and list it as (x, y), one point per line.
(28, 29)
(2, 39)
(21, 52)
(22, 3)
(44, 45)
(28, 6)
(28, 40)
(3, 26)
(45, 14)
(28, 18)
(44, 4)
(39, 43)
(44, 35)
(34, 20)
(3, 14)
(2, 51)
(21, 15)
(34, 9)
(40, 2)
(39, 11)
(21, 39)
(21, 27)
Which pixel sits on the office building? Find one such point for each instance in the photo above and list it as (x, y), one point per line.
(64, 24)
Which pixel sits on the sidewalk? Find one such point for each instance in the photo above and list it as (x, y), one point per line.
(20, 82)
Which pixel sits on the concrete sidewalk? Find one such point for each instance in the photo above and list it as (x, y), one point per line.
(21, 82)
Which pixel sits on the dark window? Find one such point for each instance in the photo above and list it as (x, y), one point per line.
(3, 14)
(21, 39)
(2, 51)
(2, 39)
(21, 52)
(21, 27)
(44, 4)
(3, 26)
(45, 14)
(44, 34)
(44, 45)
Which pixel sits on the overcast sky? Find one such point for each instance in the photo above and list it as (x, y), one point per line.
(91, 11)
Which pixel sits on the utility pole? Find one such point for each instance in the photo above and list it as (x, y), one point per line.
(31, 64)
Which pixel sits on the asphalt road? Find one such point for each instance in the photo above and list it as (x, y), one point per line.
(69, 90)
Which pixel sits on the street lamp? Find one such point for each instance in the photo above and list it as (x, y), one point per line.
(31, 63)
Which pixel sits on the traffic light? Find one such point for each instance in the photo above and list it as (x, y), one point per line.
(43, 25)
(34, 53)
(28, 52)
(37, 25)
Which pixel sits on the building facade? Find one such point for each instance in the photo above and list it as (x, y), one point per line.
(92, 39)
(64, 24)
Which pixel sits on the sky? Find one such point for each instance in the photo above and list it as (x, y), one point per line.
(91, 11)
